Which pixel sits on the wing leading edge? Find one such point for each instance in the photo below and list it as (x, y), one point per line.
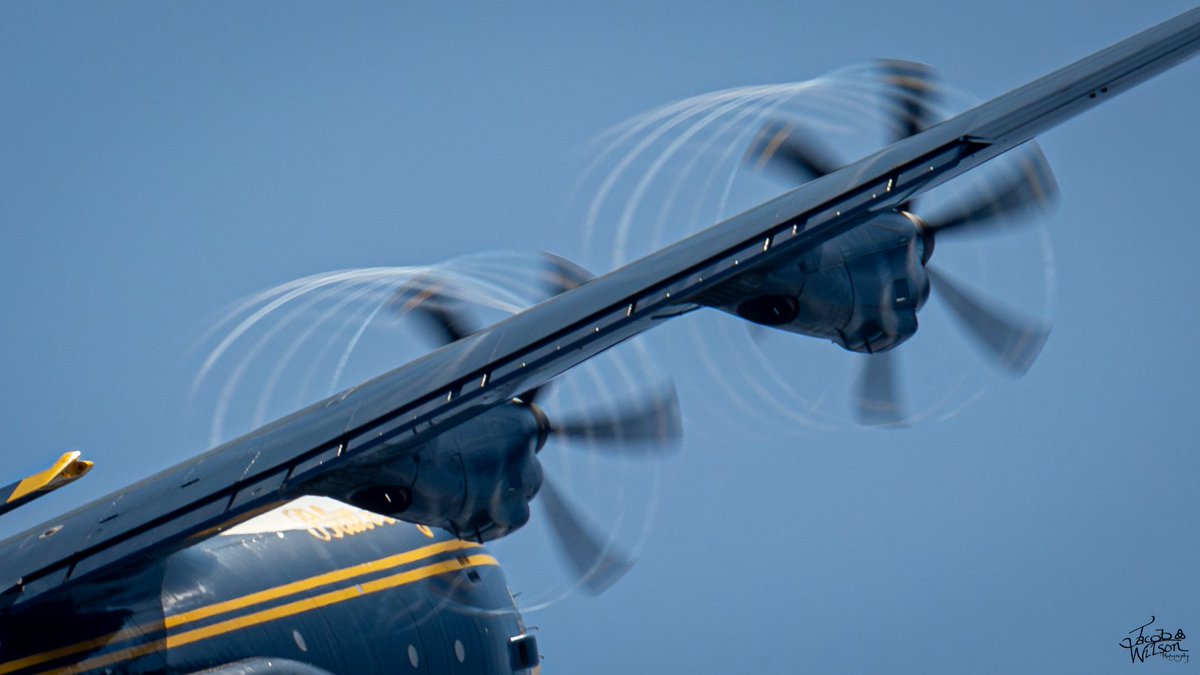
(344, 436)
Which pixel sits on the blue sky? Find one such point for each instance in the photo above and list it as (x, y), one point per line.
(162, 161)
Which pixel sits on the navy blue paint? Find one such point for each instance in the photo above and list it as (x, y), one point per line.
(368, 634)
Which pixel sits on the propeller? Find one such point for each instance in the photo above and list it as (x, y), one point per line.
(787, 149)
(1012, 342)
(436, 307)
(910, 90)
(646, 425)
(558, 275)
(878, 401)
(910, 96)
(594, 564)
(1033, 188)
(646, 428)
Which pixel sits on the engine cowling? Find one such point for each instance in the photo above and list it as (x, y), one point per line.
(475, 480)
(862, 290)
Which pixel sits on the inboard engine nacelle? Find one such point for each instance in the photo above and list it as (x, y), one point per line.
(474, 480)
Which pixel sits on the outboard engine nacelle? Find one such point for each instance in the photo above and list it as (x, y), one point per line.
(862, 290)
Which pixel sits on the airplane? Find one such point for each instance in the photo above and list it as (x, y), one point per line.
(161, 575)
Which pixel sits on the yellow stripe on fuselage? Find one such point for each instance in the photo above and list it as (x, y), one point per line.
(283, 611)
(317, 581)
(216, 609)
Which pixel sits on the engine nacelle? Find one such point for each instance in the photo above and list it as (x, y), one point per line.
(862, 290)
(475, 480)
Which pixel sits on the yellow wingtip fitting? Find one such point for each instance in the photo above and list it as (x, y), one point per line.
(76, 470)
(67, 469)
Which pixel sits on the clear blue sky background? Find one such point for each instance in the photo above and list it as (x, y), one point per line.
(159, 161)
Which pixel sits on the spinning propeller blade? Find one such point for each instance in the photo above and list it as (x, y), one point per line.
(791, 151)
(559, 275)
(644, 430)
(911, 92)
(651, 424)
(597, 567)
(1032, 188)
(878, 402)
(439, 308)
(1013, 343)
(440, 313)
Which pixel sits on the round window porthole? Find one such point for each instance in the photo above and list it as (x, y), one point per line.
(460, 651)
(413, 657)
(50, 532)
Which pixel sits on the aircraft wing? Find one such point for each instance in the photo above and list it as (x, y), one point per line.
(338, 440)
